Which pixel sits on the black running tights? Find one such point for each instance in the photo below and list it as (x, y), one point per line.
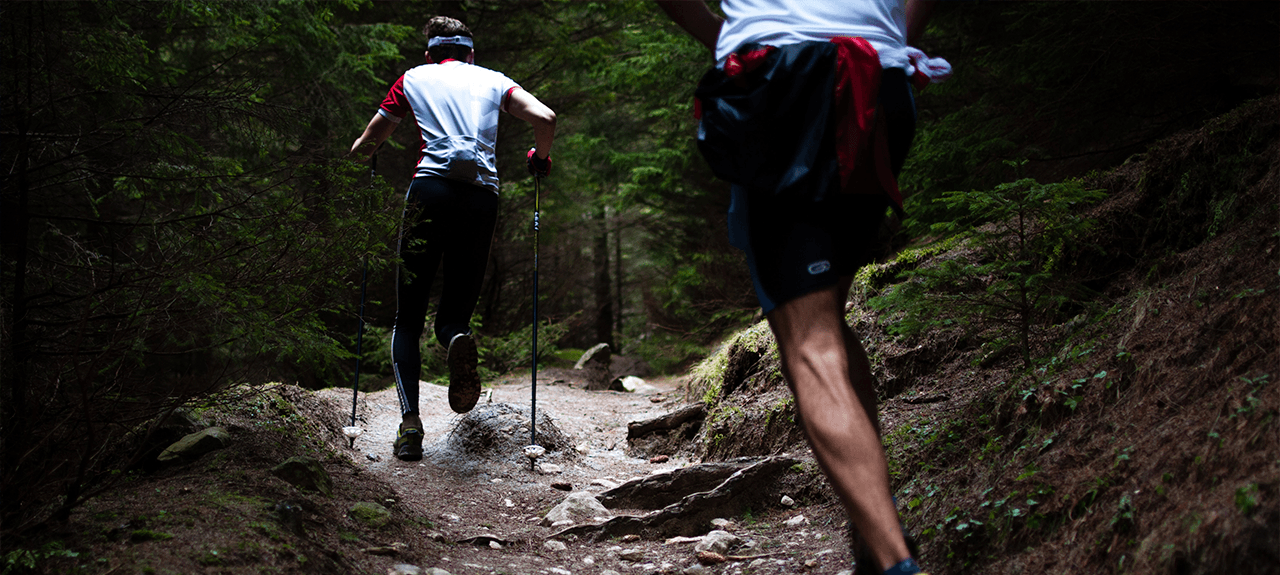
(447, 222)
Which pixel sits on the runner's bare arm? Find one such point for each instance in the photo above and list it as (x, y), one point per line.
(523, 105)
(918, 12)
(695, 18)
(379, 128)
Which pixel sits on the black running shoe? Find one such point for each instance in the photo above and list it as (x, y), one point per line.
(464, 381)
(408, 446)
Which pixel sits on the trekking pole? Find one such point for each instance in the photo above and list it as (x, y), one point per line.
(352, 432)
(355, 384)
(533, 403)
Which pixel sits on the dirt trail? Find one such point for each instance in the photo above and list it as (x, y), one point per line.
(464, 503)
(596, 420)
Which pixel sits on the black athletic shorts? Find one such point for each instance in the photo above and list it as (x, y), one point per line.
(796, 246)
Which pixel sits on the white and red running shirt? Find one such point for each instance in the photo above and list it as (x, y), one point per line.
(456, 106)
(882, 23)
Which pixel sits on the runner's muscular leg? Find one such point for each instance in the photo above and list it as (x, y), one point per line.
(832, 382)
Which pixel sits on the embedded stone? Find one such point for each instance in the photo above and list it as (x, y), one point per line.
(549, 469)
(595, 367)
(718, 542)
(578, 506)
(192, 446)
(305, 473)
(370, 514)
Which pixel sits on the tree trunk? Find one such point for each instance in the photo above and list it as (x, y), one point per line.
(617, 279)
(603, 299)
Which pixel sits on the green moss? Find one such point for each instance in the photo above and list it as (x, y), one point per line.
(423, 521)
(566, 357)
(806, 468)
(212, 557)
(785, 406)
(711, 394)
(707, 377)
(370, 514)
(723, 413)
(245, 505)
(877, 276)
(1246, 499)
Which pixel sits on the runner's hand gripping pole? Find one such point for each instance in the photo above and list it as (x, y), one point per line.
(539, 167)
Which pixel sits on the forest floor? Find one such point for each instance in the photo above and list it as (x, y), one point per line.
(496, 494)
(464, 508)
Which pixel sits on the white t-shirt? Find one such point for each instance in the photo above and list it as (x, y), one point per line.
(882, 23)
(456, 106)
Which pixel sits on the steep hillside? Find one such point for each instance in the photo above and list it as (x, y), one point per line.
(1143, 435)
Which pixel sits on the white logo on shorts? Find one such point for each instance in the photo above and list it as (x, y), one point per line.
(816, 268)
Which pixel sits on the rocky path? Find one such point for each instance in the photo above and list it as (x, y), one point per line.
(484, 510)
(595, 420)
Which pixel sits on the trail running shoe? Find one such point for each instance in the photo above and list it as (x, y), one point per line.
(905, 567)
(864, 563)
(408, 446)
(464, 381)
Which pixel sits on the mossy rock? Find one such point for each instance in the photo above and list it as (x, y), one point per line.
(196, 444)
(370, 514)
(566, 357)
(306, 474)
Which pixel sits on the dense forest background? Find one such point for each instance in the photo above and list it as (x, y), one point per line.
(176, 214)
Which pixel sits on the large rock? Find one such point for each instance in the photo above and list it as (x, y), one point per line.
(675, 420)
(748, 487)
(196, 444)
(662, 489)
(599, 353)
(634, 555)
(595, 364)
(153, 437)
(577, 507)
(718, 542)
(630, 384)
(370, 514)
(306, 474)
(497, 433)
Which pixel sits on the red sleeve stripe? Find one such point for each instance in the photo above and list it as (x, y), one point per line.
(506, 98)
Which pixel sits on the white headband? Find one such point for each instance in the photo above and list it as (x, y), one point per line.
(453, 40)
